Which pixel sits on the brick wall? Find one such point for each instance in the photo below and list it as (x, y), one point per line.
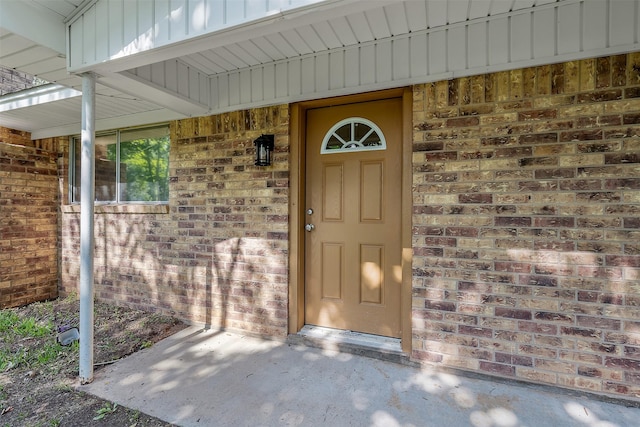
(28, 219)
(525, 227)
(16, 137)
(14, 81)
(526, 224)
(218, 253)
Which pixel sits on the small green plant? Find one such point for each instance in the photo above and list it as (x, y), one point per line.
(106, 409)
(8, 320)
(48, 353)
(17, 333)
(10, 360)
(29, 327)
(55, 422)
(134, 416)
(43, 309)
(12, 327)
(64, 387)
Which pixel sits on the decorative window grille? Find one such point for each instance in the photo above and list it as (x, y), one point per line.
(352, 135)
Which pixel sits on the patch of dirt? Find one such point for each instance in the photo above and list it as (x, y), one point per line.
(43, 394)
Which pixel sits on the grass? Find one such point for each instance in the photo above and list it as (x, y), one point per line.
(3, 396)
(37, 374)
(16, 334)
(106, 409)
(8, 319)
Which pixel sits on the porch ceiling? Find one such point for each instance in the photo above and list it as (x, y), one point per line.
(373, 20)
(195, 76)
(37, 47)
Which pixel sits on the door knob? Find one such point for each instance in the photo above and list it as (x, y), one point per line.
(309, 227)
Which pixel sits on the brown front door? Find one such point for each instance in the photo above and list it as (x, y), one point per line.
(353, 216)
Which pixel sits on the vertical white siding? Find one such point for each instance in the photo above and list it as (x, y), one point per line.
(171, 76)
(130, 42)
(308, 68)
(595, 28)
(158, 74)
(89, 41)
(294, 83)
(268, 82)
(115, 35)
(282, 81)
(352, 67)
(400, 51)
(384, 60)
(622, 17)
(477, 46)
(498, 43)
(520, 35)
(336, 70)
(144, 72)
(545, 34)
(75, 33)
(568, 26)
(418, 55)
(183, 79)
(457, 48)
(234, 89)
(137, 26)
(245, 86)
(322, 72)
(161, 21)
(177, 77)
(178, 20)
(437, 52)
(368, 64)
(102, 27)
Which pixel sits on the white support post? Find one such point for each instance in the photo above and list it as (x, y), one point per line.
(87, 197)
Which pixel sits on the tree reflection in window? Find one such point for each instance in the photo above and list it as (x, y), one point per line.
(146, 177)
(131, 166)
(353, 134)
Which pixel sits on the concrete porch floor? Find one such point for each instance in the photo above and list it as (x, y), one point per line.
(213, 378)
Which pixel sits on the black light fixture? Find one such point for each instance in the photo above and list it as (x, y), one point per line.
(264, 147)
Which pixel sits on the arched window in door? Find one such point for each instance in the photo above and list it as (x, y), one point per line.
(353, 134)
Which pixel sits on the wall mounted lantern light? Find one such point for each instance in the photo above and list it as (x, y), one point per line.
(264, 147)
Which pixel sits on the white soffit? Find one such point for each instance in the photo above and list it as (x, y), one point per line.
(42, 26)
(36, 96)
(344, 55)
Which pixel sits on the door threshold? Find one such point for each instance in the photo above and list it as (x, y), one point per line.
(375, 346)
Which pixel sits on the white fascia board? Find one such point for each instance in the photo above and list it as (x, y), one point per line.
(45, 29)
(135, 86)
(138, 119)
(36, 96)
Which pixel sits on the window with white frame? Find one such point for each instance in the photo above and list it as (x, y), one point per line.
(131, 166)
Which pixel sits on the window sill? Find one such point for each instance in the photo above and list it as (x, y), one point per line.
(120, 209)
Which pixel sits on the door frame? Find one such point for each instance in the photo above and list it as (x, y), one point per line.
(297, 186)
